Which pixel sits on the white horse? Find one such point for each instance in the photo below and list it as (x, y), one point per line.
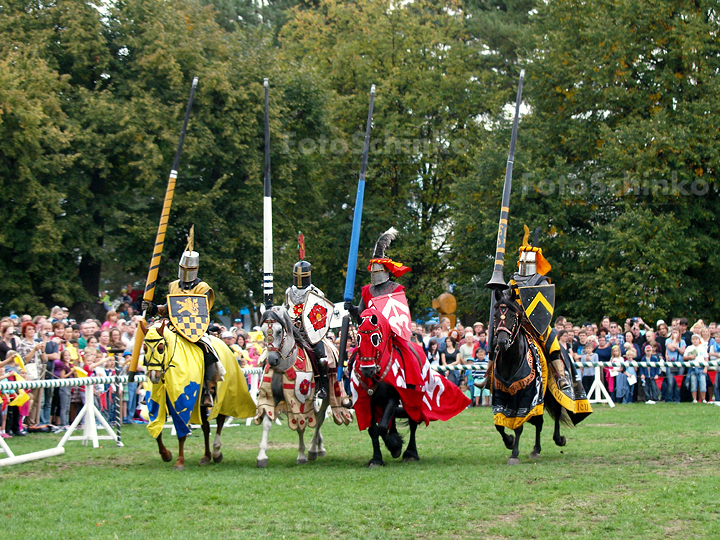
(288, 386)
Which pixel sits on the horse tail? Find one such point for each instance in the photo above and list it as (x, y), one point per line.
(557, 411)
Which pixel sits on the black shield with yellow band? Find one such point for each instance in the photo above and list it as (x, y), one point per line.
(189, 315)
(539, 304)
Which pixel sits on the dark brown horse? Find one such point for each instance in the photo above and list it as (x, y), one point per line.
(522, 382)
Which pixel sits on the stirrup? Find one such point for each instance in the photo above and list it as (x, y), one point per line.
(563, 383)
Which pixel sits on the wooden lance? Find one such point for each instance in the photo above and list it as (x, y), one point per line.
(497, 282)
(355, 237)
(267, 210)
(149, 293)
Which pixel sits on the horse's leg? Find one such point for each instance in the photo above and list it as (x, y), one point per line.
(393, 440)
(180, 463)
(387, 416)
(377, 460)
(513, 460)
(411, 453)
(165, 454)
(559, 439)
(217, 443)
(316, 443)
(206, 436)
(537, 421)
(508, 440)
(301, 459)
(262, 459)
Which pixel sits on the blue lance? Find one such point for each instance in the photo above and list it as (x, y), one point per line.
(355, 237)
(267, 210)
(497, 282)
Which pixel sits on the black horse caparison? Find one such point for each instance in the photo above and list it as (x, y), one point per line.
(513, 339)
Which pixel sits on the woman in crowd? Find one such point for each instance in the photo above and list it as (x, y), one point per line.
(33, 354)
(103, 341)
(116, 339)
(111, 320)
(674, 350)
(633, 353)
(433, 353)
(9, 341)
(626, 376)
(697, 351)
(243, 356)
(451, 357)
(63, 369)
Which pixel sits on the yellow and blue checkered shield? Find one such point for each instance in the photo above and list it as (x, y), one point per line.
(189, 315)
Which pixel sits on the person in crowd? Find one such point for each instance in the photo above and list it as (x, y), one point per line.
(633, 352)
(482, 394)
(615, 338)
(586, 353)
(128, 334)
(4, 401)
(63, 369)
(685, 332)
(467, 353)
(626, 376)
(466, 390)
(111, 320)
(103, 341)
(674, 351)
(9, 342)
(14, 414)
(116, 341)
(649, 376)
(433, 353)
(661, 335)
(579, 344)
(451, 357)
(477, 328)
(35, 359)
(698, 352)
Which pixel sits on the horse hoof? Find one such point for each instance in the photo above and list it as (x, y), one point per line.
(217, 458)
(179, 468)
(167, 458)
(410, 459)
(396, 453)
(302, 460)
(372, 464)
(321, 453)
(513, 461)
(312, 456)
(534, 455)
(262, 463)
(204, 461)
(561, 440)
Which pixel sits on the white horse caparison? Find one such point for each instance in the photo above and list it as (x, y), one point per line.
(282, 349)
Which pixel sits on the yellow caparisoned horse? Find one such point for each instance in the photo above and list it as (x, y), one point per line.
(176, 369)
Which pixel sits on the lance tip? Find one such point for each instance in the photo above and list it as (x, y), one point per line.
(522, 73)
(265, 82)
(372, 89)
(195, 81)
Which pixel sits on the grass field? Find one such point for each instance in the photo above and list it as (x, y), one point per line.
(635, 471)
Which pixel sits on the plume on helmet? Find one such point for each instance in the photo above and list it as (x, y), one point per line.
(384, 242)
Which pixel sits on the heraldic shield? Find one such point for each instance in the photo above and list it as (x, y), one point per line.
(189, 315)
(539, 304)
(317, 312)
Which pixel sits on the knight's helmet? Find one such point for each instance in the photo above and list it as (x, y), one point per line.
(190, 260)
(301, 274)
(531, 260)
(381, 267)
(189, 264)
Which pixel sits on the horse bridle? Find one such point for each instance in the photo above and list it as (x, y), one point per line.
(270, 346)
(503, 310)
(153, 346)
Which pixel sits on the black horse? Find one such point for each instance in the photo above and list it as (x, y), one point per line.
(519, 379)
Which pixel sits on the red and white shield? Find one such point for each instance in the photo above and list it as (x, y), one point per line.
(394, 308)
(304, 386)
(317, 312)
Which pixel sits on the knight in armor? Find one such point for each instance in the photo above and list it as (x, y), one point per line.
(295, 298)
(188, 282)
(380, 268)
(532, 267)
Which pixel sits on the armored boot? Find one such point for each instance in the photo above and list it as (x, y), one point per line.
(560, 377)
(323, 381)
